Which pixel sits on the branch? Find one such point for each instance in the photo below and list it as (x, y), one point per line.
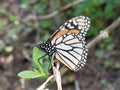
(54, 13)
(103, 34)
(44, 85)
(60, 10)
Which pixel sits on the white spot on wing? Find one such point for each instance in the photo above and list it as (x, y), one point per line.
(67, 38)
(77, 45)
(72, 41)
(74, 22)
(71, 65)
(76, 55)
(70, 58)
(59, 40)
(63, 46)
(65, 61)
(80, 51)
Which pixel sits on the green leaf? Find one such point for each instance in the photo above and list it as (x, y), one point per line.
(2, 26)
(107, 63)
(46, 23)
(110, 47)
(37, 53)
(99, 53)
(11, 17)
(28, 74)
(102, 81)
(47, 66)
(40, 8)
(2, 10)
(9, 48)
(101, 1)
(24, 4)
(102, 45)
(108, 12)
(13, 30)
(107, 40)
(117, 2)
(117, 65)
(2, 46)
(70, 78)
(43, 64)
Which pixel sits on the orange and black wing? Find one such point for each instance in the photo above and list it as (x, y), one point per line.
(78, 25)
(69, 42)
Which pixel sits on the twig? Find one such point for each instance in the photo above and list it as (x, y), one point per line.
(54, 13)
(43, 86)
(103, 34)
(60, 10)
(57, 75)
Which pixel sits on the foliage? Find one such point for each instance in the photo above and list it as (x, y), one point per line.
(107, 63)
(99, 53)
(41, 68)
(101, 13)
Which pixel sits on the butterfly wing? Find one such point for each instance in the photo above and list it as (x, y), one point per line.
(71, 51)
(69, 41)
(80, 23)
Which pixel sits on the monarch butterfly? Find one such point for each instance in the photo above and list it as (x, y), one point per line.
(68, 43)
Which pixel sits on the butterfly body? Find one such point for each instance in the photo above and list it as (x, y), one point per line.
(47, 47)
(68, 43)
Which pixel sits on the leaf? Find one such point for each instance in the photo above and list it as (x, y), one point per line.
(117, 65)
(110, 47)
(70, 78)
(9, 48)
(40, 8)
(46, 23)
(101, 1)
(109, 11)
(11, 17)
(2, 26)
(28, 74)
(102, 45)
(48, 65)
(107, 40)
(24, 4)
(102, 81)
(13, 30)
(107, 63)
(99, 53)
(2, 10)
(37, 53)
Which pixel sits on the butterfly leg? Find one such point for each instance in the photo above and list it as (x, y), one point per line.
(50, 61)
(40, 58)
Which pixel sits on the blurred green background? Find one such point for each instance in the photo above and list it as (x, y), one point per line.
(22, 27)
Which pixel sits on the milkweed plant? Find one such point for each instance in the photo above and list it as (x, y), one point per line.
(41, 67)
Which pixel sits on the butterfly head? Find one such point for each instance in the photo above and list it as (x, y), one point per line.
(47, 47)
